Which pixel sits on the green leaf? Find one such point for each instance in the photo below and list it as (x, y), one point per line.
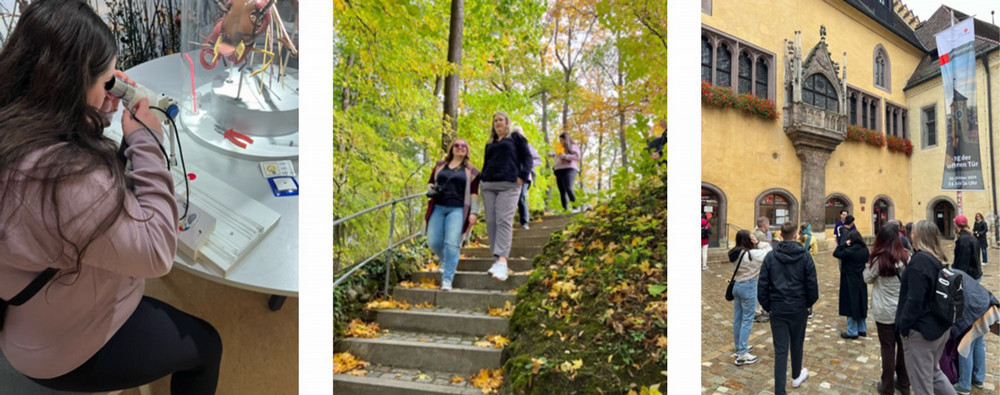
(657, 289)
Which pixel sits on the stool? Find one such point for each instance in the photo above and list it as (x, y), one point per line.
(143, 389)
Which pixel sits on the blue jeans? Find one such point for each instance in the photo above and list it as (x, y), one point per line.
(973, 367)
(522, 204)
(744, 303)
(855, 326)
(984, 250)
(444, 237)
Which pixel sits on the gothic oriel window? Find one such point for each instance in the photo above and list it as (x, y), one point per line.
(745, 83)
(819, 92)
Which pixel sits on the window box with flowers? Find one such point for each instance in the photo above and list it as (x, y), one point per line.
(876, 139)
(722, 97)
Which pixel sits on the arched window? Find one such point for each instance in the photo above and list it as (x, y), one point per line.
(819, 92)
(871, 114)
(706, 59)
(881, 68)
(854, 110)
(761, 78)
(745, 83)
(881, 213)
(833, 207)
(775, 207)
(724, 66)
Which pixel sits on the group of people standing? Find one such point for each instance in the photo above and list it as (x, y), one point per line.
(903, 267)
(455, 186)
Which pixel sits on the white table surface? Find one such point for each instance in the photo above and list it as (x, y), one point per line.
(272, 266)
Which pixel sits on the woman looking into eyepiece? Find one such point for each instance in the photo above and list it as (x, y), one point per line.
(69, 208)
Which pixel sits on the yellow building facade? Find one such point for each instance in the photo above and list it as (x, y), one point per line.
(852, 62)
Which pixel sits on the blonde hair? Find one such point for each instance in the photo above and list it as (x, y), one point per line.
(494, 137)
(925, 238)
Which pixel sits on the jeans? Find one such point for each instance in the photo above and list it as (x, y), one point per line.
(522, 204)
(745, 299)
(973, 367)
(444, 237)
(854, 326)
(984, 250)
(788, 332)
(891, 348)
(564, 180)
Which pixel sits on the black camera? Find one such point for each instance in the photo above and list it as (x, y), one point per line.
(435, 191)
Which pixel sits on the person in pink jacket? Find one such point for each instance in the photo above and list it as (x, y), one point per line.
(78, 234)
(566, 168)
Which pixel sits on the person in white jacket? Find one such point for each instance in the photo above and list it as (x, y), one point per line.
(746, 257)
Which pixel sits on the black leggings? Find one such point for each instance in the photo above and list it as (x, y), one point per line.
(155, 341)
(564, 180)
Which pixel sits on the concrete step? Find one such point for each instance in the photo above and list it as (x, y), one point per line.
(476, 280)
(535, 232)
(483, 264)
(459, 299)
(383, 379)
(546, 222)
(424, 351)
(516, 251)
(443, 321)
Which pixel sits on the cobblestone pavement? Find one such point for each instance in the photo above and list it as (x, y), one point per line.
(836, 366)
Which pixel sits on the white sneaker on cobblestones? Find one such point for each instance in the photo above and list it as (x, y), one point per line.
(746, 359)
(749, 349)
(445, 285)
(802, 377)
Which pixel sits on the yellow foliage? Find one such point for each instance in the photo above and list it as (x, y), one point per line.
(357, 328)
(387, 304)
(565, 287)
(457, 380)
(661, 342)
(651, 390)
(488, 380)
(406, 284)
(425, 305)
(358, 372)
(505, 311)
(570, 368)
(498, 341)
(428, 283)
(430, 267)
(345, 361)
(536, 364)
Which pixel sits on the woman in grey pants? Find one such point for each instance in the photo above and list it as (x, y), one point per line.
(506, 163)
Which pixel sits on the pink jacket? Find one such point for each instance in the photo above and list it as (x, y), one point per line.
(73, 316)
(568, 160)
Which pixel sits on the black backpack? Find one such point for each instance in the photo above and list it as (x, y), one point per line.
(949, 296)
(705, 232)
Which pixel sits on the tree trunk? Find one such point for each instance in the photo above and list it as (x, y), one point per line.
(600, 150)
(621, 114)
(450, 121)
(345, 93)
(565, 111)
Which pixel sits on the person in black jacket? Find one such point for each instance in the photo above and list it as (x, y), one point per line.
(853, 255)
(967, 260)
(786, 289)
(966, 249)
(506, 164)
(979, 231)
(923, 333)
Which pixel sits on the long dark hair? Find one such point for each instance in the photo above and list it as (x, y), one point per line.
(567, 140)
(742, 242)
(856, 239)
(887, 250)
(56, 52)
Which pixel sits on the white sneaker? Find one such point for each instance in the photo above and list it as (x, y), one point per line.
(704, 268)
(746, 359)
(749, 349)
(445, 285)
(525, 227)
(499, 271)
(802, 377)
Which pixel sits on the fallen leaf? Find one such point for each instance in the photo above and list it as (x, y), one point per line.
(661, 342)
(422, 377)
(457, 380)
(488, 380)
(389, 303)
(357, 328)
(505, 311)
(425, 305)
(345, 361)
(498, 341)
(406, 284)
(358, 372)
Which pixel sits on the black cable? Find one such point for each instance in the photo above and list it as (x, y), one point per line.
(150, 131)
(180, 149)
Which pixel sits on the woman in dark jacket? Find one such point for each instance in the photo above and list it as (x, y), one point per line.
(453, 207)
(853, 255)
(979, 230)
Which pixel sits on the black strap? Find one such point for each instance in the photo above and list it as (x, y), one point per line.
(27, 293)
(33, 288)
(738, 266)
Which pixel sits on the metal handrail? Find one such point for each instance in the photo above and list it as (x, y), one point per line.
(392, 244)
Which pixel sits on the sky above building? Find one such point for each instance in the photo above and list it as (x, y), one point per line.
(978, 8)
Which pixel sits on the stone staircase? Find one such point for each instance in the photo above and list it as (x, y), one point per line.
(424, 349)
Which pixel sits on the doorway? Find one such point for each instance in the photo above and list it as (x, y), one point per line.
(944, 216)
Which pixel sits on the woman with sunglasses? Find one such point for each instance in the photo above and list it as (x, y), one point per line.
(79, 235)
(452, 208)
